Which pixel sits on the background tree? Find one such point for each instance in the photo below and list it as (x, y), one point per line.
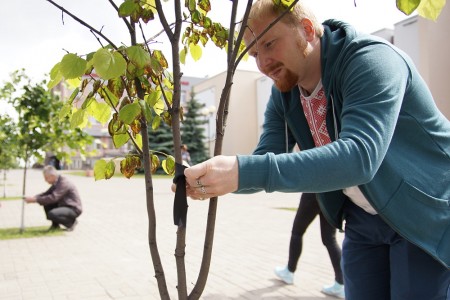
(134, 81)
(38, 128)
(193, 130)
(8, 158)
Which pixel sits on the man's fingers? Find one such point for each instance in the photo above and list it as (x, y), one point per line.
(194, 174)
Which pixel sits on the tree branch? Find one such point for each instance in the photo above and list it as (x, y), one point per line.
(83, 23)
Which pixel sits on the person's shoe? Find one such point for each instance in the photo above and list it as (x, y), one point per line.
(285, 275)
(335, 290)
(71, 228)
(54, 227)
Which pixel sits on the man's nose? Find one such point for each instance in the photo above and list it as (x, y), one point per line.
(262, 61)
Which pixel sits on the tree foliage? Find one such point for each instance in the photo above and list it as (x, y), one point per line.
(39, 128)
(8, 158)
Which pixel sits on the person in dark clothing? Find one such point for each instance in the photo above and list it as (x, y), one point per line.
(61, 202)
(307, 211)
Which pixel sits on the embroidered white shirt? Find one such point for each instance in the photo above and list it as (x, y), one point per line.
(315, 109)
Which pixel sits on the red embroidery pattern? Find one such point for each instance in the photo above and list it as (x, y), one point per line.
(315, 110)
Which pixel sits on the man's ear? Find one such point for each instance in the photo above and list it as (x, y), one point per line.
(308, 29)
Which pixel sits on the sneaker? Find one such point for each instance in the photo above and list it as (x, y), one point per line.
(335, 290)
(285, 275)
(71, 228)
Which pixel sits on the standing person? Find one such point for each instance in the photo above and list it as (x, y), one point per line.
(61, 202)
(374, 145)
(185, 155)
(307, 211)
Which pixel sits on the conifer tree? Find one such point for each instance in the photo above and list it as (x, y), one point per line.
(193, 131)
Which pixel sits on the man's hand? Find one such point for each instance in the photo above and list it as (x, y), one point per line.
(29, 199)
(215, 177)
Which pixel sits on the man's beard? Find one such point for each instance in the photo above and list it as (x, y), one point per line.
(288, 82)
(290, 79)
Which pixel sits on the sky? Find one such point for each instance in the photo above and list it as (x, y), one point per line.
(35, 35)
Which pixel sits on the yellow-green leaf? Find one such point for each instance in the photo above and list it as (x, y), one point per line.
(168, 165)
(156, 122)
(138, 56)
(79, 119)
(74, 82)
(407, 6)
(120, 139)
(110, 168)
(99, 169)
(138, 140)
(129, 113)
(196, 51)
(72, 66)
(109, 65)
(55, 76)
(73, 95)
(154, 163)
(127, 8)
(110, 98)
(430, 9)
(65, 111)
(100, 111)
(183, 56)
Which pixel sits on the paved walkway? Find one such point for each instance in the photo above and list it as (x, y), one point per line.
(107, 256)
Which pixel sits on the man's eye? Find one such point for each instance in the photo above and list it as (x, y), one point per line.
(269, 44)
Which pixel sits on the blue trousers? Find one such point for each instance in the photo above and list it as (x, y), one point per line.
(379, 264)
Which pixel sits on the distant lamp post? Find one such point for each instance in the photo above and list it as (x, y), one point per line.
(208, 112)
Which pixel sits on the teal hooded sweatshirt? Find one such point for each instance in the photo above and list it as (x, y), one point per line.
(388, 138)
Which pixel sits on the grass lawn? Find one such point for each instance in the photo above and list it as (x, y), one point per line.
(287, 208)
(29, 232)
(11, 198)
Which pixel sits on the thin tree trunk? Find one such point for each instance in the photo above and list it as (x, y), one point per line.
(22, 219)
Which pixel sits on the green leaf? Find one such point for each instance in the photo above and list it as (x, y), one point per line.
(145, 108)
(430, 9)
(120, 139)
(196, 51)
(407, 6)
(168, 165)
(79, 119)
(99, 169)
(138, 140)
(109, 65)
(183, 56)
(55, 76)
(127, 8)
(110, 169)
(138, 56)
(129, 113)
(73, 95)
(109, 97)
(72, 66)
(156, 122)
(74, 82)
(100, 111)
(65, 111)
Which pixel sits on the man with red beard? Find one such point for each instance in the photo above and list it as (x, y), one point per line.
(375, 148)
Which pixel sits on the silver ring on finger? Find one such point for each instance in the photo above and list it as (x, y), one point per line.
(202, 189)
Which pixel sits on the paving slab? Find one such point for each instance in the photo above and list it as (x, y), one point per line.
(107, 256)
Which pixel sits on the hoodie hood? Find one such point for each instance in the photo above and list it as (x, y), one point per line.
(337, 36)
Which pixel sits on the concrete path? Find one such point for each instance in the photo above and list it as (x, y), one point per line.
(107, 255)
